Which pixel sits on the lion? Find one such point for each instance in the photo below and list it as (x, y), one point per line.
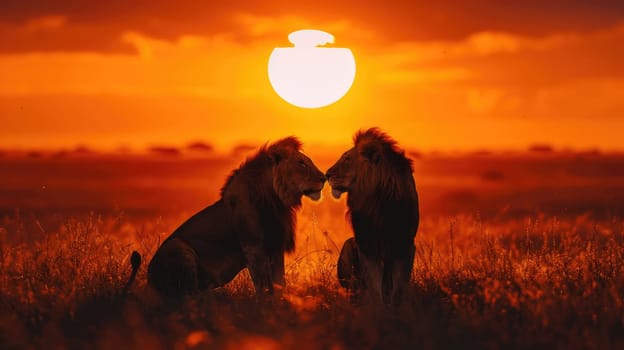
(383, 209)
(251, 226)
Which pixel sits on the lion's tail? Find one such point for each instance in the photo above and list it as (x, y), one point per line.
(135, 262)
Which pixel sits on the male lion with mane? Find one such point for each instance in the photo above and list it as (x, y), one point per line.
(383, 207)
(251, 225)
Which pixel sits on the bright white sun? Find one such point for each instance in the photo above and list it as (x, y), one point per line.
(308, 75)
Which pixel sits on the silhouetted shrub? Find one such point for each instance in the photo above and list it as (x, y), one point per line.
(541, 148)
(493, 175)
(199, 146)
(165, 151)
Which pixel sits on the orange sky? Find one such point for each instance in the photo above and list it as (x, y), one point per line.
(435, 76)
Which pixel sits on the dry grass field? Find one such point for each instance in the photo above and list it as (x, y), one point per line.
(520, 250)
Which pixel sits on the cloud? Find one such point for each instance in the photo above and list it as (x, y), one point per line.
(207, 66)
(50, 22)
(483, 100)
(478, 44)
(395, 21)
(218, 65)
(496, 58)
(420, 77)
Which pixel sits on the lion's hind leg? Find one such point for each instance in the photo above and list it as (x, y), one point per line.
(174, 269)
(350, 269)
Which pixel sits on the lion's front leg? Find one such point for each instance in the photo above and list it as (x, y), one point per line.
(251, 239)
(259, 266)
(372, 269)
(397, 277)
(277, 269)
(266, 269)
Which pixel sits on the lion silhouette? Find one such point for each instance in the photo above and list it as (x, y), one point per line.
(383, 209)
(251, 226)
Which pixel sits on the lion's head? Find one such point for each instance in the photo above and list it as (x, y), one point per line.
(294, 174)
(375, 161)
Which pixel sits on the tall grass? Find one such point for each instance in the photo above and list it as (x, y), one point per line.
(515, 283)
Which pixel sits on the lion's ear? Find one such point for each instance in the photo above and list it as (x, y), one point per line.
(372, 152)
(278, 154)
(284, 148)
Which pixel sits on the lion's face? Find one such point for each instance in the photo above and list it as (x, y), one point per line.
(341, 176)
(296, 176)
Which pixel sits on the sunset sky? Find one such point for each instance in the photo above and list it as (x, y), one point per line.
(434, 74)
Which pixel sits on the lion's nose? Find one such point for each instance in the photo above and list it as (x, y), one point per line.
(323, 178)
(328, 174)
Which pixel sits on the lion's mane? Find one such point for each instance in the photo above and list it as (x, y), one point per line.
(382, 203)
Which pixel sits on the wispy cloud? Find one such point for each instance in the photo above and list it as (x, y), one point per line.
(50, 22)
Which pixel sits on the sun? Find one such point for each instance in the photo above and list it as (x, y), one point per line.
(309, 75)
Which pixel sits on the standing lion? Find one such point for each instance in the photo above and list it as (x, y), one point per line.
(252, 225)
(383, 207)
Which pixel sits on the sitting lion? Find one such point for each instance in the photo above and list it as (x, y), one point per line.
(252, 225)
(383, 207)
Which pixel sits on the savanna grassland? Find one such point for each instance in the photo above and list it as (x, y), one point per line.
(517, 250)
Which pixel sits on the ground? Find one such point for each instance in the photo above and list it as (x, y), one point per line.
(514, 251)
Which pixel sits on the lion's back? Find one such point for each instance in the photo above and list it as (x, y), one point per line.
(211, 223)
